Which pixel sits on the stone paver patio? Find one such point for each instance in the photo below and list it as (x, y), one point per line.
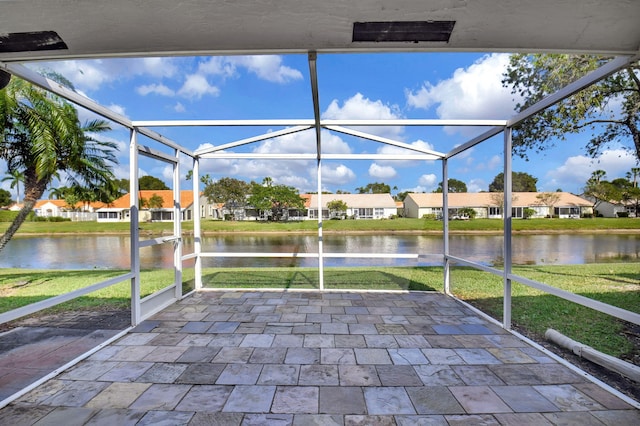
(310, 358)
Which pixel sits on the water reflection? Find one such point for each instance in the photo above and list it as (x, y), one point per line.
(82, 252)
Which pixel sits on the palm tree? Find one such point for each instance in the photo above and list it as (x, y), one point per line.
(15, 177)
(632, 176)
(597, 175)
(42, 135)
(59, 192)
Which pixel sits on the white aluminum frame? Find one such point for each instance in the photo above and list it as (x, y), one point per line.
(144, 308)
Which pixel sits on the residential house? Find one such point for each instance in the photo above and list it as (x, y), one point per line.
(120, 209)
(613, 208)
(359, 206)
(490, 204)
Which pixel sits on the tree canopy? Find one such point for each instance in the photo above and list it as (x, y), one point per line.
(151, 183)
(609, 109)
(229, 191)
(374, 188)
(41, 136)
(274, 200)
(5, 198)
(454, 185)
(521, 182)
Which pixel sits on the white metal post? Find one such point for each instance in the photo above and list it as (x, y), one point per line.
(445, 225)
(134, 230)
(508, 192)
(197, 245)
(316, 112)
(177, 228)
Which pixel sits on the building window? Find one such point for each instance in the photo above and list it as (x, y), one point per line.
(107, 215)
(517, 212)
(379, 212)
(365, 213)
(495, 211)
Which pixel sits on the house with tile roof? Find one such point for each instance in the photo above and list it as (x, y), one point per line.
(359, 206)
(120, 209)
(490, 204)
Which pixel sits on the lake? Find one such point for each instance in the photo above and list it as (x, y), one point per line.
(112, 252)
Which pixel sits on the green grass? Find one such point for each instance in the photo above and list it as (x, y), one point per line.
(533, 311)
(310, 226)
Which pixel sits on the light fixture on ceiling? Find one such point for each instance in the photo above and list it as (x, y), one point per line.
(403, 31)
(5, 77)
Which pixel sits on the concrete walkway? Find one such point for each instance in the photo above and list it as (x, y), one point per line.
(304, 358)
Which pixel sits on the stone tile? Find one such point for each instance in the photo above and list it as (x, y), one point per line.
(226, 340)
(337, 356)
(601, 396)
(23, 415)
(257, 341)
(267, 419)
(513, 374)
(118, 395)
(618, 417)
(116, 416)
(351, 341)
(475, 329)
(372, 356)
(167, 339)
(437, 375)
(387, 400)
(295, 399)
(75, 393)
(519, 419)
(334, 328)
(88, 370)
(391, 329)
(447, 329)
(250, 399)
(421, 421)
(380, 341)
(133, 353)
(201, 374)
(287, 341)
(474, 419)
(198, 354)
(434, 400)
(160, 397)
(366, 328)
(479, 399)
(412, 341)
(509, 341)
(342, 400)
(192, 340)
(319, 341)
(579, 418)
(165, 354)
(477, 356)
(105, 353)
(511, 356)
(274, 374)
(165, 418)
(442, 356)
(268, 355)
(524, 399)
(555, 374)
(317, 420)
(358, 375)
(216, 419)
(568, 398)
(302, 356)
(126, 371)
(205, 398)
(136, 339)
(398, 375)
(476, 375)
(407, 356)
(162, 373)
(446, 342)
(233, 355)
(357, 420)
(318, 375)
(240, 374)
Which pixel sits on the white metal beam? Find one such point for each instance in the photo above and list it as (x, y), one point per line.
(253, 139)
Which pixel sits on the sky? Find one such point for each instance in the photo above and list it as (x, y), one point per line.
(352, 86)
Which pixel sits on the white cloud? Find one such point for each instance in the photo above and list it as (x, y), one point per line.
(472, 93)
(178, 107)
(90, 75)
(576, 170)
(268, 67)
(196, 86)
(360, 108)
(118, 109)
(157, 89)
(428, 182)
(381, 172)
(477, 185)
(336, 174)
(218, 65)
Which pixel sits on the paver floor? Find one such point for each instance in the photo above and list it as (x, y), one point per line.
(305, 358)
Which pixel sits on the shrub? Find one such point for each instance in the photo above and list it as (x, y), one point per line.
(467, 211)
(429, 216)
(623, 214)
(527, 213)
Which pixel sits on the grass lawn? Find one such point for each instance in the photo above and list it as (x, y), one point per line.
(533, 311)
(310, 226)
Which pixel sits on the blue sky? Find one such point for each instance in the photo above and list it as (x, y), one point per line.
(357, 86)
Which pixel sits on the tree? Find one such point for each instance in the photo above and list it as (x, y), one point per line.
(520, 182)
(155, 201)
(610, 109)
(274, 200)
(337, 208)
(58, 193)
(400, 196)
(548, 199)
(374, 188)
(15, 177)
(5, 198)
(454, 185)
(497, 199)
(601, 190)
(151, 183)
(633, 176)
(231, 192)
(42, 136)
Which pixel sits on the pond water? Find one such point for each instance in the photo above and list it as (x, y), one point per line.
(111, 252)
